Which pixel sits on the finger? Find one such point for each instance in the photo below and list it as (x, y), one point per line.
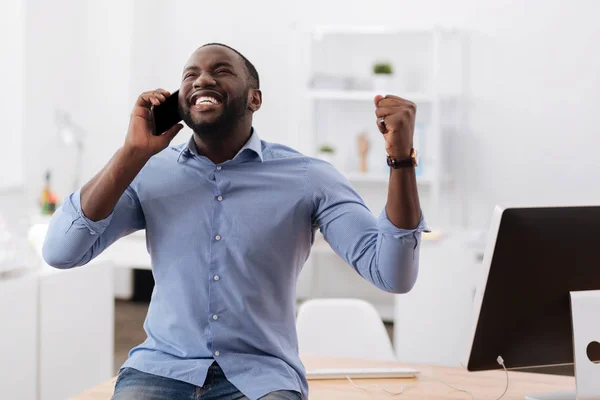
(161, 97)
(381, 125)
(143, 100)
(389, 102)
(391, 96)
(164, 92)
(153, 99)
(147, 99)
(377, 99)
(385, 111)
(170, 133)
(150, 98)
(155, 102)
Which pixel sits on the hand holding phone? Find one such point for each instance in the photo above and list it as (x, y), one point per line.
(166, 114)
(142, 139)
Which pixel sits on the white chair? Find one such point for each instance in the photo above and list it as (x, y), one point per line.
(342, 328)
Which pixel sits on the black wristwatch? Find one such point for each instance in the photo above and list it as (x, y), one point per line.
(407, 162)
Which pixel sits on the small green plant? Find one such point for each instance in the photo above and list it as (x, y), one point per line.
(382, 68)
(326, 149)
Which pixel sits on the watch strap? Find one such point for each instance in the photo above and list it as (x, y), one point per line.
(393, 163)
(405, 163)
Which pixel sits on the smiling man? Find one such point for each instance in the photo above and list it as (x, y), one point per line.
(230, 220)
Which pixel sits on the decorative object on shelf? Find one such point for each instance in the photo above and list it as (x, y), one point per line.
(363, 151)
(71, 134)
(382, 77)
(327, 153)
(48, 198)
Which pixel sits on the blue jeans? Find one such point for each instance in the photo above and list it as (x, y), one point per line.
(136, 385)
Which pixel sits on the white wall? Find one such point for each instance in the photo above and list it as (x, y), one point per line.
(78, 60)
(55, 75)
(536, 90)
(11, 101)
(534, 82)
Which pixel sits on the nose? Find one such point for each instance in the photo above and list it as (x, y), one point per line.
(204, 79)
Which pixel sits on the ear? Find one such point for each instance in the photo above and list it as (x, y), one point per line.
(254, 99)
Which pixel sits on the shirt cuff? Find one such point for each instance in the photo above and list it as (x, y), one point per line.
(386, 226)
(73, 204)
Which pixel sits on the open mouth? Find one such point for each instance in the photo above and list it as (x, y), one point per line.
(204, 101)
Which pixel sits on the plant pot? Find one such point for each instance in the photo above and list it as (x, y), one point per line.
(382, 83)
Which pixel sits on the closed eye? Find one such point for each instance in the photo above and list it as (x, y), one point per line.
(223, 71)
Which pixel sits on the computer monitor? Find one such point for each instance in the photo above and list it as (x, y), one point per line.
(535, 258)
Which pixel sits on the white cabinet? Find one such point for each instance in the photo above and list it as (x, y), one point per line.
(57, 331)
(76, 330)
(18, 336)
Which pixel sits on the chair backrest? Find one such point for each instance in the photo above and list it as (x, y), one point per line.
(342, 328)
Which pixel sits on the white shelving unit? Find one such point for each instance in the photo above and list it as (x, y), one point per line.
(427, 70)
(339, 109)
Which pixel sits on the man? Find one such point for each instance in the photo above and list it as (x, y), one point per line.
(229, 221)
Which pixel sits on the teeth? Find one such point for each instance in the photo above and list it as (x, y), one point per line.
(206, 100)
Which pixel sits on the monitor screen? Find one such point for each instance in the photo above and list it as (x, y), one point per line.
(534, 258)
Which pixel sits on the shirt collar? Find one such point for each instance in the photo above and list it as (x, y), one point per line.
(253, 144)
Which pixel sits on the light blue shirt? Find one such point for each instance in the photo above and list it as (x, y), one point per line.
(227, 244)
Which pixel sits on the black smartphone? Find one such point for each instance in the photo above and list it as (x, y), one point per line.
(166, 114)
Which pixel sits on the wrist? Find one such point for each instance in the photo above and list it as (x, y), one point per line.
(400, 153)
(132, 158)
(133, 155)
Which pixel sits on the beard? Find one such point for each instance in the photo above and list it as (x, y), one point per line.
(232, 113)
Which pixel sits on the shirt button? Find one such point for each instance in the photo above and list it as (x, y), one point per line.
(220, 198)
(217, 277)
(218, 237)
(218, 167)
(215, 317)
(217, 353)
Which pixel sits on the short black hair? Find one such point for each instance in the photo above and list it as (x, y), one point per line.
(252, 72)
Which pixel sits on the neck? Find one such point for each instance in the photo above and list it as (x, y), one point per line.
(222, 146)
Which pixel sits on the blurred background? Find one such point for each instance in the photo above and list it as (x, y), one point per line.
(507, 94)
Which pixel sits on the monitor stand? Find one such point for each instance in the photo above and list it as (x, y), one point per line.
(585, 307)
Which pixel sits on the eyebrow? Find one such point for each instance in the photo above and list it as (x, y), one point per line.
(214, 66)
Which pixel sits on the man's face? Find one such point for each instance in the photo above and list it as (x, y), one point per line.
(213, 95)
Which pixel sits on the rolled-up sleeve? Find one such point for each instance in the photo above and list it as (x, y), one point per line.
(380, 252)
(73, 239)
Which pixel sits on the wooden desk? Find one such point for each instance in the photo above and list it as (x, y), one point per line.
(486, 385)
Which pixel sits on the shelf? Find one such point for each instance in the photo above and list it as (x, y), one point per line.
(321, 31)
(362, 95)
